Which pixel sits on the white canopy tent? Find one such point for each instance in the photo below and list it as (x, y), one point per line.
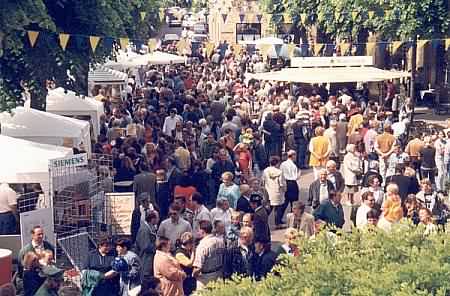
(330, 75)
(103, 75)
(67, 103)
(28, 162)
(133, 60)
(46, 128)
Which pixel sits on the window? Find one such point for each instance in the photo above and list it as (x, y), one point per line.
(248, 31)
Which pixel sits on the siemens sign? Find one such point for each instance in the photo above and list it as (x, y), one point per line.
(71, 161)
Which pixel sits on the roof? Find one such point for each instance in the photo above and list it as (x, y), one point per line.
(329, 75)
(104, 75)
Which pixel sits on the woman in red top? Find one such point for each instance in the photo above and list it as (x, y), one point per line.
(243, 159)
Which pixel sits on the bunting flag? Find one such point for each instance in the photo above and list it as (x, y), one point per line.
(345, 47)
(303, 17)
(370, 48)
(93, 40)
(421, 44)
(242, 17)
(143, 14)
(152, 44)
(124, 42)
(63, 40)
(371, 14)
(224, 17)
(388, 12)
(354, 15)
(259, 17)
(447, 43)
(318, 48)
(396, 46)
(287, 18)
(32, 36)
(278, 48)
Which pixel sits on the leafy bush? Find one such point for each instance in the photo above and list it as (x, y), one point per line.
(364, 263)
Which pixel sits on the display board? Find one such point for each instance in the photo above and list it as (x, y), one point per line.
(121, 206)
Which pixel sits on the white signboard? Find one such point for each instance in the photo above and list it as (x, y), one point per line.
(40, 217)
(70, 161)
(121, 206)
(345, 61)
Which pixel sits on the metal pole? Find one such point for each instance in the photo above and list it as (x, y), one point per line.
(412, 91)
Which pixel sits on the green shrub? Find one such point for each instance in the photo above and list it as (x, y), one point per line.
(364, 263)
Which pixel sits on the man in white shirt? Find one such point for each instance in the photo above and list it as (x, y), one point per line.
(368, 203)
(174, 226)
(201, 213)
(292, 175)
(170, 122)
(8, 210)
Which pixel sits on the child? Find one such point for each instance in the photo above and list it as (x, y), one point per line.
(46, 258)
(232, 234)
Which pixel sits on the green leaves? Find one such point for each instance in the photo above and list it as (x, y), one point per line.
(403, 262)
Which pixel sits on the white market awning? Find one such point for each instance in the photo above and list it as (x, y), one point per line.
(330, 75)
(103, 75)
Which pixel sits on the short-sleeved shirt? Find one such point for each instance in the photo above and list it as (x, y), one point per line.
(384, 142)
(8, 198)
(173, 231)
(209, 254)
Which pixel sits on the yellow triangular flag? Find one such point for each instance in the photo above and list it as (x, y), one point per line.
(63, 40)
(287, 18)
(396, 45)
(354, 15)
(290, 50)
(344, 48)
(143, 14)
(447, 43)
(32, 36)
(421, 44)
(387, 12)
(370, 48)
(124, 42)
(303, 18)
(371, 14)
(93, 40)
(317, 48)
(152, 44)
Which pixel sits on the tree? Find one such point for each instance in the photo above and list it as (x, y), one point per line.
(404, 262)
(346, 19)
(23, 66)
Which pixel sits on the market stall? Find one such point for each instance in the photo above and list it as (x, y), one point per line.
(27, 162)
(47, 128)
(67, 103)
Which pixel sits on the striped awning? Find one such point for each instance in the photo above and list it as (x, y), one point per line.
(103, 75)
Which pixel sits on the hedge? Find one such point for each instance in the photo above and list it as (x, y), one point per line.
(403, 262)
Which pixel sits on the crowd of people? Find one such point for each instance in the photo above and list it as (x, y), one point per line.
(211, 156)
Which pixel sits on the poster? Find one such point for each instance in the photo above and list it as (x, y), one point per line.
(41, 217)
(120, 208)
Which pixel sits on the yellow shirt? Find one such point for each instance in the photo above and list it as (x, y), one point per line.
(319, 145)
(392, 210)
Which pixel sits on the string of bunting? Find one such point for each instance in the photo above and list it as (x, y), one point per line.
(345, 47)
